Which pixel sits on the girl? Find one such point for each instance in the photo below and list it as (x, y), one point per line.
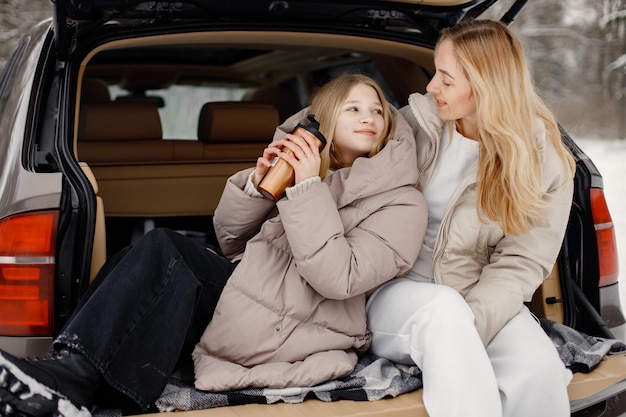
(293, 312)
(498, 183)
(288, 305)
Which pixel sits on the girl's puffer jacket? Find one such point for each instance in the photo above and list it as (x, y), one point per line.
(293, 311)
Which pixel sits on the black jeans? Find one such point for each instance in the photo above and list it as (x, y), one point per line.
(148, 306)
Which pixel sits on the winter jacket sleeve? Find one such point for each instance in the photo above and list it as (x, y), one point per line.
(341, 265)
(519, 264)
(238, 215)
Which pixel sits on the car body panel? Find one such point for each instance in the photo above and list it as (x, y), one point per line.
(20, 188)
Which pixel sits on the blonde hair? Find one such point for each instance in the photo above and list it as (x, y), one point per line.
(509, 168)
(326, 106)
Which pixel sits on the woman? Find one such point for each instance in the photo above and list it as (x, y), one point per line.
(291, 305)
(498, 184)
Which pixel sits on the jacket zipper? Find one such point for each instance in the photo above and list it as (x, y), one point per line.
(442, 235)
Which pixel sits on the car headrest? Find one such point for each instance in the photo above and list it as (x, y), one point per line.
(284, 99)
(120, 121)
(237, 122)
(94, 90)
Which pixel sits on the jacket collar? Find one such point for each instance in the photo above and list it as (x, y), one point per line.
(394, 166)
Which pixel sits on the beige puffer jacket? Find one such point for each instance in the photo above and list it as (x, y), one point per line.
(293, 311)
(496, 273)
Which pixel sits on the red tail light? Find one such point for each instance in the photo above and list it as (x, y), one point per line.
(605, 236)
(27, 243)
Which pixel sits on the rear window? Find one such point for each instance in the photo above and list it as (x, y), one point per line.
(180, 105)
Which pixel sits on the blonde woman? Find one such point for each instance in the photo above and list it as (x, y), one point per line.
(498, 184)
(286, 307)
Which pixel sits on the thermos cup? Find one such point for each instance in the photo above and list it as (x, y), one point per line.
(280, 175)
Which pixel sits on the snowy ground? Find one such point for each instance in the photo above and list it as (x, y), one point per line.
(609, 156)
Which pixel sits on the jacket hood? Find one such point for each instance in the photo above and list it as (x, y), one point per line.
(395, 164)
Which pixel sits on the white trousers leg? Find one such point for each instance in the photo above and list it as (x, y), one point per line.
(518, 375)
(432, 326)
(531, 377)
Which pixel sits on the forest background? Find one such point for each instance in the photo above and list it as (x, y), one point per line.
(576, 50)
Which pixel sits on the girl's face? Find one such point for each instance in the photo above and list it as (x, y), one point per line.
(451, 87)
(360, 124)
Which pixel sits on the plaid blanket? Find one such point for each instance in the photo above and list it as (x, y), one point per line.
(374, 378)
(578, 351)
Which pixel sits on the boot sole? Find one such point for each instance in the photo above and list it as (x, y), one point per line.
(22, 395)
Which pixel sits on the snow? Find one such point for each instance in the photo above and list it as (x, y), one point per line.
(609, 156)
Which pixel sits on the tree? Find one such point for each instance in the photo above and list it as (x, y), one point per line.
(16, 18)
(613, 25)
(575, 50)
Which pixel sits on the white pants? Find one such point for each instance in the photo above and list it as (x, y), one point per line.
(519, 374)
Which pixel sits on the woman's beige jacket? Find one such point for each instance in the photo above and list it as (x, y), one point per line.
(293, 311)
(496, 273)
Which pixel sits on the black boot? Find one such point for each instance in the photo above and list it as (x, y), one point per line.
(63, 385)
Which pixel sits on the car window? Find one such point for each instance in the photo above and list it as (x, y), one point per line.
(180, 105)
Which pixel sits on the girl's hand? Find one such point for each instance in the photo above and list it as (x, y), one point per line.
(302, 153)
(263, 163)
(304, 156)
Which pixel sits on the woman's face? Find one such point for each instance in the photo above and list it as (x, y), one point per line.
(360, 124)
(451, 87)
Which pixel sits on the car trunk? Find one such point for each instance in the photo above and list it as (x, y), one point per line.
(603, 383)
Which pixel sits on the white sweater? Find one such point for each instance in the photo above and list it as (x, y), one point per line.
(458, 159)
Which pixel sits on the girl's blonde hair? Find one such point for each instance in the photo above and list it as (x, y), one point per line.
(508, 109)
(326, 106)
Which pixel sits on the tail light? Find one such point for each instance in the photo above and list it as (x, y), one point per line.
(27, 245)
(605, 237)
